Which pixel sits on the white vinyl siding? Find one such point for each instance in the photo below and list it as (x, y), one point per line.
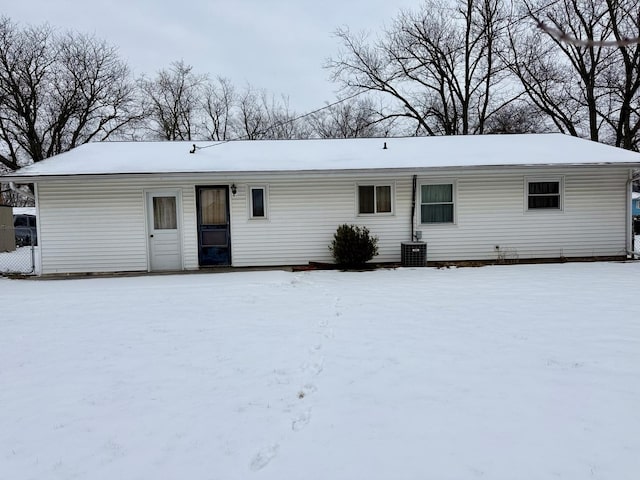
(491, 212)
(304, 215)
(98, 224)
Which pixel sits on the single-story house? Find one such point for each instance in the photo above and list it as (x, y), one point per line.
(150, 206)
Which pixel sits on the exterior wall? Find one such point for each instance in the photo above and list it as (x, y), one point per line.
(491, 212)
(304, 215)
(7, 232)
(99, 224)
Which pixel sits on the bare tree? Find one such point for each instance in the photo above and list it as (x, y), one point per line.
(173, 101)
(355, 118)
(57, 92)
(624, 81)
(261, 115)
(563, 79)
(439, 64)
(284, 123)
(219, 99)
(581, 67)
(252, 121)
(517, 117)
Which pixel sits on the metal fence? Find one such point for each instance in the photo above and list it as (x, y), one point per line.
(17, 255)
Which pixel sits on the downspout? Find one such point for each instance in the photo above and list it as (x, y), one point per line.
(413, 208)
(15, 188)
(629, 229)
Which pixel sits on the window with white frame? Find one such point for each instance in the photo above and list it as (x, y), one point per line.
(437, 203)
(258, 202)
(374, 199)
(544, 193)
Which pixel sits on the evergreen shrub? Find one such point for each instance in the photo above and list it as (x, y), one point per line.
(353, 246)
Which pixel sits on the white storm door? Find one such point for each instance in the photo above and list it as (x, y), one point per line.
(165, 252)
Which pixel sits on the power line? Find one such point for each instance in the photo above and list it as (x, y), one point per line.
(281, 124)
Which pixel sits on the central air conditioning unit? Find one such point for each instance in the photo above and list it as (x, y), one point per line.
(414, 254)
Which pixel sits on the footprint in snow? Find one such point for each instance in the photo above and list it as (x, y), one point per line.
(309, 388)
(302, 421)
(315, 368)
(282, 377)
(263, 457)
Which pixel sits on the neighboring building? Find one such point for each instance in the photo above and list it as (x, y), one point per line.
(7, 233)
(147, 206)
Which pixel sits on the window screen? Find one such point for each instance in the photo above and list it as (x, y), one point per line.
(366, 199)
(543, 195)
(436, 203)
(374, 199)
(383, 199)
(213, 206)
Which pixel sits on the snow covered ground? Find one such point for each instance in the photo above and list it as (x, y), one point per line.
(505, 372)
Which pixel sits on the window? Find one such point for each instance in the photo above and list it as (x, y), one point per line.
(258, 202)
(164, 213)
(544, 194)
(20, 221)
(436, 203)
(213, 206)
(374, 199)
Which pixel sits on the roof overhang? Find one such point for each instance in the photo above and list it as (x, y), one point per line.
(25, 179)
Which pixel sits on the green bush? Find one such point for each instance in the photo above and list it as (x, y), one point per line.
(353, 246)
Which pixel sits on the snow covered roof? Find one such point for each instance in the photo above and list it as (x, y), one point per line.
(328, 155)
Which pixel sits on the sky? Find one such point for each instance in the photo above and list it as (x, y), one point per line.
(278, 45)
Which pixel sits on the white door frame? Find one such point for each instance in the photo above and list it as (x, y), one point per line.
(148, 206)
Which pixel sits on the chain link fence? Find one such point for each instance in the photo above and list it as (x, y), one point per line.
(17, 253)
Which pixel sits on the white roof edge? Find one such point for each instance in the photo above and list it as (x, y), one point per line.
(17, 178)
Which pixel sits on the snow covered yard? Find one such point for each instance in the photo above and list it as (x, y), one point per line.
(512, 372)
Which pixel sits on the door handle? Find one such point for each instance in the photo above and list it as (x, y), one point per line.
(150, 236)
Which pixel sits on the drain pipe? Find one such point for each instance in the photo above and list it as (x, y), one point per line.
(630, 232)
(15, 188)
(413, 209)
